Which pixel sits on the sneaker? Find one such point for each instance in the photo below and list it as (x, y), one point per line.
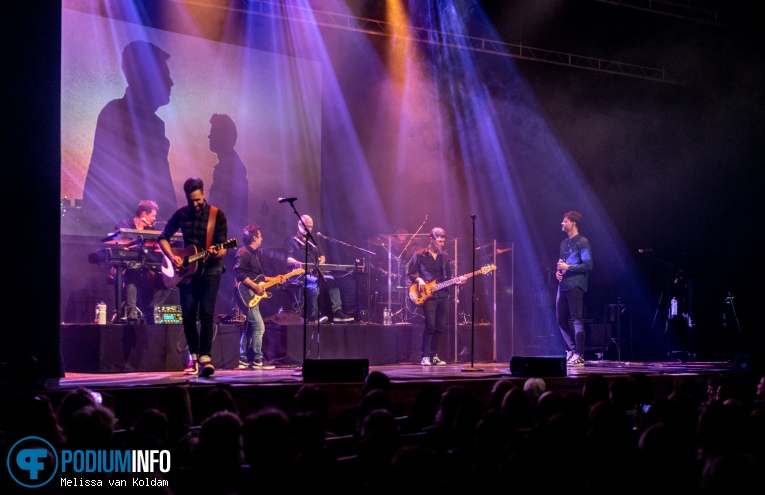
(258, 364)
(436, 360)
(313, 321)
(425, 361)
(568, 355)
(206, 367)
(576, 360)
(243, 366)
(192, 368)
(340, 317)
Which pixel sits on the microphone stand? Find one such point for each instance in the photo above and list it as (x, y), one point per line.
(472, 310)
(355, 280)
(308, 236)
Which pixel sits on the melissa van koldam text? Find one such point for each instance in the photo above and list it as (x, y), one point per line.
(134, 482)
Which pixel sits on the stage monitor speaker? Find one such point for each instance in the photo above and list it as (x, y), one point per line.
(529, 366)
(335, 370)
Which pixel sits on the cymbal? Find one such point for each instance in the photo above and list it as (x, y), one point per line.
(380, 239)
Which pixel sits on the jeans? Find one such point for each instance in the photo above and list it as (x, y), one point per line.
(436, 310)
(143, 282)
(251, 342)
(568, 305)
(312, 286)
(198, 299)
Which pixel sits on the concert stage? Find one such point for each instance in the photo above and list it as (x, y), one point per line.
(343, 347)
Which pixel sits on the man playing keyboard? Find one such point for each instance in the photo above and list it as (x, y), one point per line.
(296, 252)
(144, 281)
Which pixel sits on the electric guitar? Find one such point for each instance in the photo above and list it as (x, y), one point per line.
(419, 298)
(191, 256)
(248, 298)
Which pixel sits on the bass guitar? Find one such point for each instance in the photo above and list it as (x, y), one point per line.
(419, 298)
(247, 296)
(191, 265)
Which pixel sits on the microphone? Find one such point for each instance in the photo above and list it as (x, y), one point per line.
(143, 219)
(320, 234)
(645, 250)
(285, 200)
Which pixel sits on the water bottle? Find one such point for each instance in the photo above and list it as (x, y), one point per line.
(386, 316)
(101, 313)
(673, 307)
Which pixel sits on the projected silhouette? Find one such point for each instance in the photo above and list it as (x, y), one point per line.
(130, 150)
(230, 192)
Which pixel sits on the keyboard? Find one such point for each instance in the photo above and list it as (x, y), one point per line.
(331, 267)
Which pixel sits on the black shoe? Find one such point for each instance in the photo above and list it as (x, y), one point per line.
(340, 317)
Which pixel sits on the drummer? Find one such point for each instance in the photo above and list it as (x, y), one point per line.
(403, 246)
(400, 249)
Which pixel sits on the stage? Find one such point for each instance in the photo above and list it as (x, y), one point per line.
(129, 393)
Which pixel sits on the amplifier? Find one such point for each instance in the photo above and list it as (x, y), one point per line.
(168, 314)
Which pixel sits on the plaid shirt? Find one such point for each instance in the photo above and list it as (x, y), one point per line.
(194, 231)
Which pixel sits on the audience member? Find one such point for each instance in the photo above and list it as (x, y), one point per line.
(219, 398)
(497, 393)
(534, 387)
(594, 389)
(268, 448)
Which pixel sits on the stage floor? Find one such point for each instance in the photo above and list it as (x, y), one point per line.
(402, 372)
(128, 394)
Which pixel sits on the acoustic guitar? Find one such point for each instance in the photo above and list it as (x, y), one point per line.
(419, 298)
(191, 264)
(249, 299)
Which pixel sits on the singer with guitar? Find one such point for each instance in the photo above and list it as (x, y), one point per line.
(248, 271)
(204, 230)
(574, 263)
(428, 265)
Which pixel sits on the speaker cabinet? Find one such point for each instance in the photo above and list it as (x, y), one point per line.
(528, 366)
(335, 370)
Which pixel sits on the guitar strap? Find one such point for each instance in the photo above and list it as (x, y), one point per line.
(211, 225)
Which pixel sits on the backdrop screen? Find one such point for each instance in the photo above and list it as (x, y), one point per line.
(145, 108)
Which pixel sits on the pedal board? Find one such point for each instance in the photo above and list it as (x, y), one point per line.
(168, 314)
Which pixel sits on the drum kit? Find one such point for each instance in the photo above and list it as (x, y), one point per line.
(381, 267)
(391, 263)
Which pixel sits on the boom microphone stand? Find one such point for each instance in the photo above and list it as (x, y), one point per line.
(472, 310)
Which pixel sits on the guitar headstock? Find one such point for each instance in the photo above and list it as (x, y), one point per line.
(488, 268)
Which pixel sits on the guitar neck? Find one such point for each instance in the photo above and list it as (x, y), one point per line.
(275, 280)
(453, 281)
(202, 254)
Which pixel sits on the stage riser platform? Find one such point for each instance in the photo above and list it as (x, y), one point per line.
(126, 348)
(111, 348)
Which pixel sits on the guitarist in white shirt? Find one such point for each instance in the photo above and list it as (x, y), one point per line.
(248, 270)
(199, 289)
(429, 265)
